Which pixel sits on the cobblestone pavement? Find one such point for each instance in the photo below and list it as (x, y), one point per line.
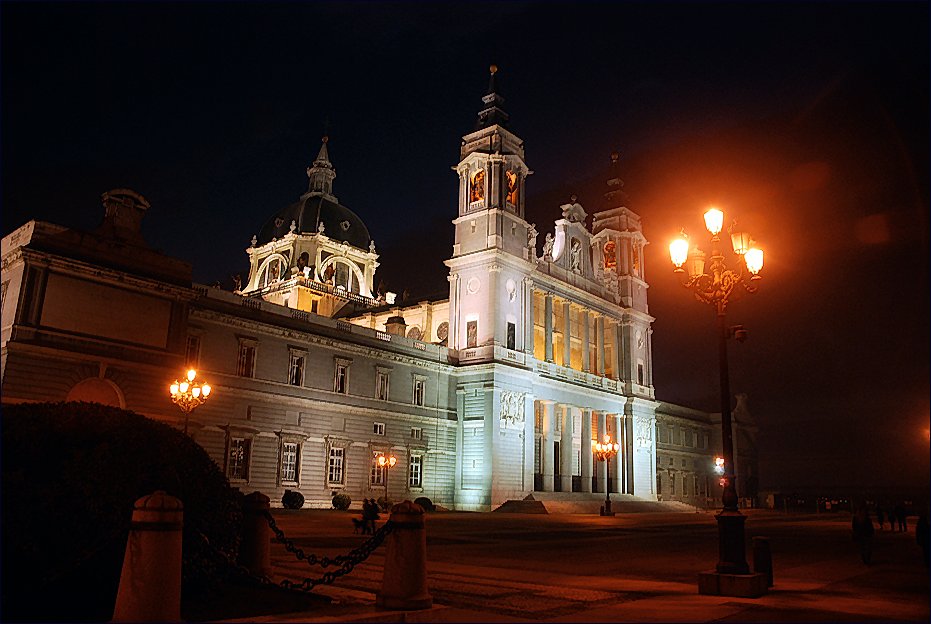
(633, 567)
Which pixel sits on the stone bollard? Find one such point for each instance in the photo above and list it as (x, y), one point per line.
(255, 548)
(404, 580)
(763, 559)
(150, 583)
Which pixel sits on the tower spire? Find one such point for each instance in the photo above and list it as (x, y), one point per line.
(615, 195)
(322, 173)
(492, 114)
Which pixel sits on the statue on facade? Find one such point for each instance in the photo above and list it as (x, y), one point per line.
(548, 247)
(532, 237)
(575, 256)
(573, 211)
(237, 282)
(321, 228)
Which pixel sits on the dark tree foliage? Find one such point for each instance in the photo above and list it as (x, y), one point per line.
(71, 474)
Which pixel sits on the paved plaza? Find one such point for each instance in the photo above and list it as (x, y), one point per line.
(636, 567)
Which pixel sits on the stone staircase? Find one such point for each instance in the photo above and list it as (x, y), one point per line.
(583, 503)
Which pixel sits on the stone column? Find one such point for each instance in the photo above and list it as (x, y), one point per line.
(548, 327)
(546, 452)
(565, 450)
(600, 344)
(619, 368)
(586, 450)
(586, 355)
(529, 333)
(452, 338)
(566, 336)
(617, 461)
(602, 466)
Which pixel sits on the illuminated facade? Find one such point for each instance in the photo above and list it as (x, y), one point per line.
(492, 394)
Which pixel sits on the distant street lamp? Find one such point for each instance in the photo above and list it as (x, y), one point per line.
(716, 287)
(603, 453)
(189, 394)
(386, 462)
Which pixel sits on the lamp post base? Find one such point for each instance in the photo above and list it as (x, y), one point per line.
(606, 508)
(732, 551)
(751, 585)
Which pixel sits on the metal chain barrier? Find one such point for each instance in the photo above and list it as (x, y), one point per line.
(346, 563)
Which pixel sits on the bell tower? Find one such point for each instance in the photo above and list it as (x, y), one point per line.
(494, 246)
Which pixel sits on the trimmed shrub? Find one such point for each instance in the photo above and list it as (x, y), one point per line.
(426, 503)
(292, 499)
(71, 473)
(383, 503)
(341, 501)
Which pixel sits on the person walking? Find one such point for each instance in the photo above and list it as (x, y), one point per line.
(862, 527)
(901, 517)
(880, 516)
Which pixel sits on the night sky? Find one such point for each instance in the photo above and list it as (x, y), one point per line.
(808, 121)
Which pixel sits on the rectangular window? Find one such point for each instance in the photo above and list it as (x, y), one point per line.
(640, 374)
(512, 336)
(472, 334)
(381, 385)
(378, 428)
(192, 352)
(672, 485)
(417, 433)
(420, 387)
(341, 378)
(335, 466)
(246, 364)
(415, 472)
(378, 472)
(289, 460)
(237, 464)
(296, 369)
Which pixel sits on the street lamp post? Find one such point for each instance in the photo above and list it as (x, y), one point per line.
(386, 462)
(717, 287)
(188, 394)
(604, 451)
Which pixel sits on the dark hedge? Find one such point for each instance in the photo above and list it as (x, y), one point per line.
(71, 474)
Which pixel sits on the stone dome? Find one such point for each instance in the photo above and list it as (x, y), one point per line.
(339, 223)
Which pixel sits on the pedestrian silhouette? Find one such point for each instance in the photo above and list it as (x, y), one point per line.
(880, 516)
(862, 527)
(900, 517)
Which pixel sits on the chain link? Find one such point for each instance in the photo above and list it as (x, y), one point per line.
(346, 562)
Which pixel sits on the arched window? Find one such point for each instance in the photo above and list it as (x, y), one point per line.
(274, 269)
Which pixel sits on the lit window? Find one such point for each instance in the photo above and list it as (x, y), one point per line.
(378, 428)
(415, 472)
(290, 452)
(245, 367)
(192, 352)
(417, 433)
(335, 466)
(238, 455)
(381, 385)
(420, 387)
(296, 369)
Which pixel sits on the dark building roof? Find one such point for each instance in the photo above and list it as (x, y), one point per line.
(339, 223)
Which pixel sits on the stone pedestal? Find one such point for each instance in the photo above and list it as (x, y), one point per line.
(731, 543)
(255, 549)
(713, 583)
(404, 580)
(150, 583)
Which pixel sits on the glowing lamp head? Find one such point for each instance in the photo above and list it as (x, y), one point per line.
(754, 260)
(196, 391)
(719, 465)
(392, 460)
(206, 389)
(714, 221)
(191, 374)
(183, 386)
(679, 251)
(173, 388)
(696, 264)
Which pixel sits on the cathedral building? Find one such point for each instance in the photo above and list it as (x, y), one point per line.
(498, 392)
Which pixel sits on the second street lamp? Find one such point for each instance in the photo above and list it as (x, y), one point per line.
(717, 285)
(603, 453)
(386, 463)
